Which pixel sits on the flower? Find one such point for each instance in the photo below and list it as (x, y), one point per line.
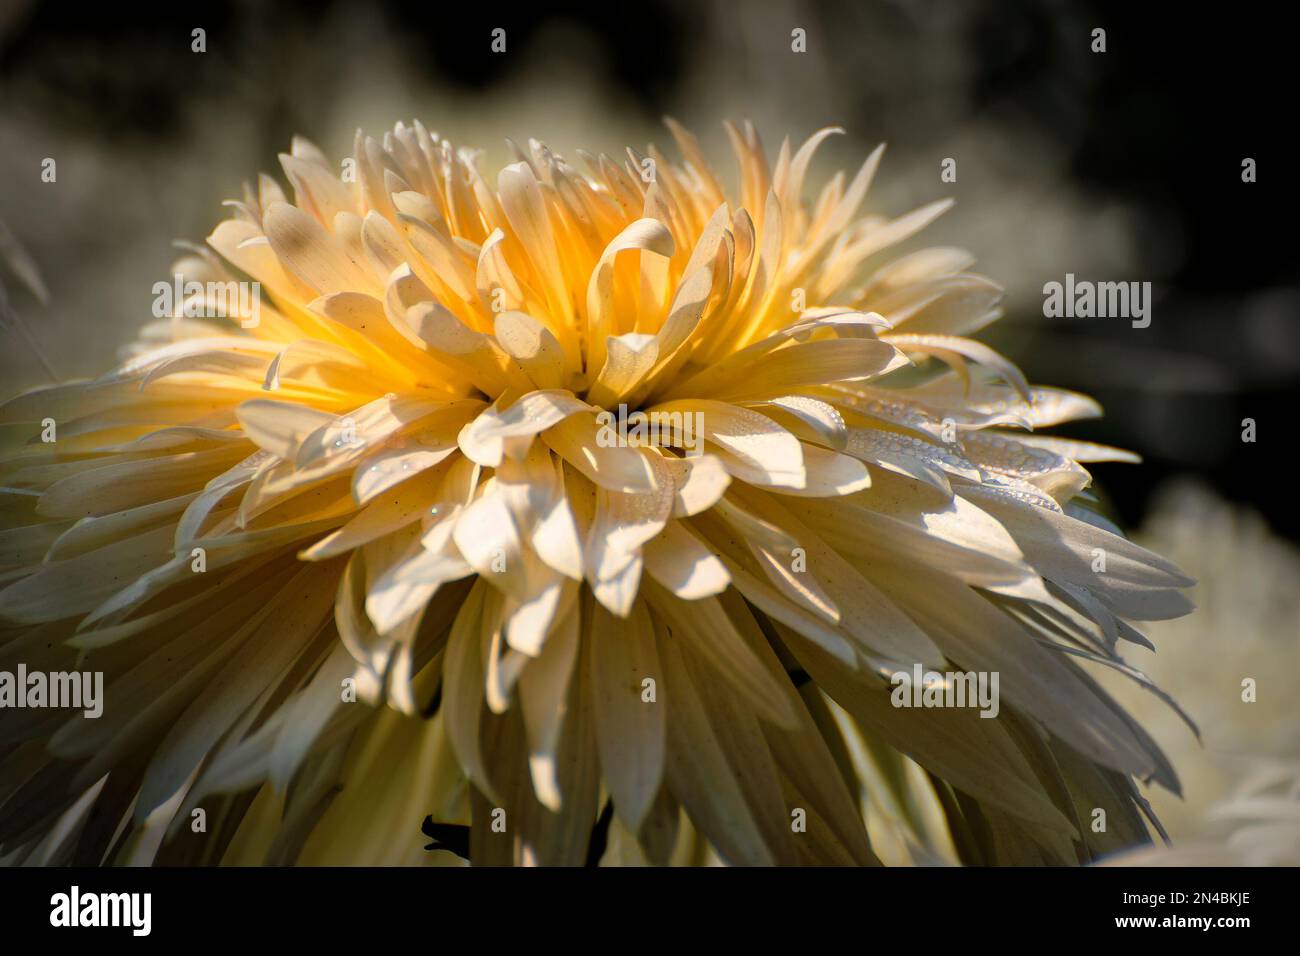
(1256, 824)
(1219, 662)
(401, 542)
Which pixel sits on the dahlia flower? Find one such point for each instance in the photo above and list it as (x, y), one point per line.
(1211, 661)
(1257, 824)
(369, 558)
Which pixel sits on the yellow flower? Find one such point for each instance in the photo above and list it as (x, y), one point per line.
(602, 513)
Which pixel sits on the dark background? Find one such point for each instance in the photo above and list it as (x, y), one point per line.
(1117, 166)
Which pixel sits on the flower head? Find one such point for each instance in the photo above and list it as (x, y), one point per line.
(596, 511)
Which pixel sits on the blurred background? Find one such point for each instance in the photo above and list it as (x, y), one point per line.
(1116, 166)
